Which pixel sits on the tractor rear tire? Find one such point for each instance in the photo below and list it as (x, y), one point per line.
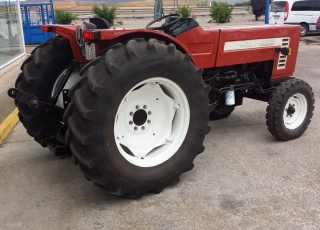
(39, 74)
(290, 109)
(138, 118)
(221, 113)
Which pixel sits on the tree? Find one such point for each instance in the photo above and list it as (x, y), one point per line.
(258, 8)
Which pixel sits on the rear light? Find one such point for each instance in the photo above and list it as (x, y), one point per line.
(91, 35)
(286, 13)
(48, 28)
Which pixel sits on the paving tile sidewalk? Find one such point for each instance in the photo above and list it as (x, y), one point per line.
(7, 81)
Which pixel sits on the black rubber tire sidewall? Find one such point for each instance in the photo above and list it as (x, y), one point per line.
(111, 166)
(39, 74)
(221, 113)
(305, 26)
(277, 105)
(151, 174)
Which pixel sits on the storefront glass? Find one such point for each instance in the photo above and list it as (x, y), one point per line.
(11, 37)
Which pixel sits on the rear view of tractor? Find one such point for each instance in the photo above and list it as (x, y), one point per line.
(132, 105)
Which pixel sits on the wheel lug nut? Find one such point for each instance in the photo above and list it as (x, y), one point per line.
(135, 128)
(149, 121)
(130, 122)
(149, 112)
(144, 106)
(137, 107)
(142, 127)
(131, 113)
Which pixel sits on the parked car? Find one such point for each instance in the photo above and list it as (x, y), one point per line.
(299, 12)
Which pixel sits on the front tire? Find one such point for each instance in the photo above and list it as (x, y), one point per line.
(138, 118)
(290, 109)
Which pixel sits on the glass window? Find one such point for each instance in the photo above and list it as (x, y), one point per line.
(302, 6)
(316, 6)
(279, 6)
(11, 37)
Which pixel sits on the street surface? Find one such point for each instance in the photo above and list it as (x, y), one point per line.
(245, 179)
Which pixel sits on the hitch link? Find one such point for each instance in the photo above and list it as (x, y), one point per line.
(37, 105)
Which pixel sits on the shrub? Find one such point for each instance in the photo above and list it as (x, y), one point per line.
(185, 11)
(202, 4)
(63, 17)
(107, 13)
(220, 11)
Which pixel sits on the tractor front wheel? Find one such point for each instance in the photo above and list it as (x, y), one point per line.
(290, 109)
(138, 118)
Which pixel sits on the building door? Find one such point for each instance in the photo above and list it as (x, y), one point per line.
(34, 15)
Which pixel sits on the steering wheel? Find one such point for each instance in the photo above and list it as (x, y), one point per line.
(165, 25)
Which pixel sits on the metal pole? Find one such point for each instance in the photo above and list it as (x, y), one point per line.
(52, 12)
(9, 18)
(266, 17)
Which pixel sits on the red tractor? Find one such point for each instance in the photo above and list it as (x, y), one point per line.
(132, 105)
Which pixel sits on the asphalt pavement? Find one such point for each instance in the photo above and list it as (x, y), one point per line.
(245, 179)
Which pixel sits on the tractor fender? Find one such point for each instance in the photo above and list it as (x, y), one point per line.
(145, 34)
(113, 36)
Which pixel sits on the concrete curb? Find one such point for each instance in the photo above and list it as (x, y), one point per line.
(8, 124)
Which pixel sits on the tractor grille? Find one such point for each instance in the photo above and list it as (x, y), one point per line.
(283, 58)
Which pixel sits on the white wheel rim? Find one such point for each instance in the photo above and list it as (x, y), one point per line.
(151, 122)
(303, 30)
(295, 111)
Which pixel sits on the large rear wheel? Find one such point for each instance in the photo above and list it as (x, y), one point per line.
(138, 118)
(40, 73)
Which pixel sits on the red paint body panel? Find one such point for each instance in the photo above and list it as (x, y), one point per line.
(68, 31)
(112, 36)
(225, 58)
(205, 45)
(202, 45)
